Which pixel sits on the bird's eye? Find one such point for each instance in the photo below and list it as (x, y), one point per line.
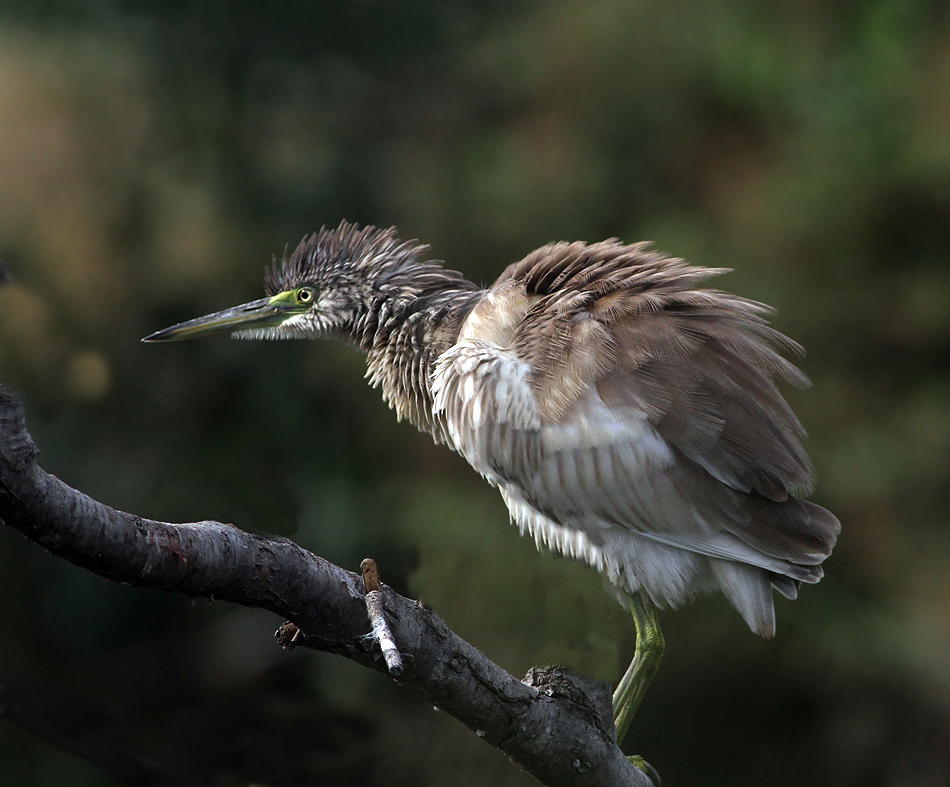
(305, 295)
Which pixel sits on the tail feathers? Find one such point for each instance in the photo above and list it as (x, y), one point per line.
(749, 590)
(795, 530)
(787, 586)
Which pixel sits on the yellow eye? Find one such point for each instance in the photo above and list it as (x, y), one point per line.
(305, 295)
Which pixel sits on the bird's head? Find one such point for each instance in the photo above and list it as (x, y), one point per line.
(322, 290)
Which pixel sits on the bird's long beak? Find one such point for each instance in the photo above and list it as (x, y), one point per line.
(265, 313)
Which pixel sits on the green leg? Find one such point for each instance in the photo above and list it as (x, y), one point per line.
(646, 659)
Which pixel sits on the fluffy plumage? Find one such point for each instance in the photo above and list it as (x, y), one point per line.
(628, 415)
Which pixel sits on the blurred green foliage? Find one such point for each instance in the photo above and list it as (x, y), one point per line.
(153, 156)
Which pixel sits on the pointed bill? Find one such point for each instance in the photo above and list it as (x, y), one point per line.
(265, 313)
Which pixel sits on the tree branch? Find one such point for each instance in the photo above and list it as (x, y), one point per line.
(556, 725)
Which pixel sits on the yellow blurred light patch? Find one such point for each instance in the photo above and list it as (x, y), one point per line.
(24, 322)
(88, 375)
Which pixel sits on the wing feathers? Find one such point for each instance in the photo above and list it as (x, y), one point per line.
(617, 406)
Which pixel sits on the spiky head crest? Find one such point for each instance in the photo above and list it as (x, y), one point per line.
(347, 268)
(357, 277)
(340, 258)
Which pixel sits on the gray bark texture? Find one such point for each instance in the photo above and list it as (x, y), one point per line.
(556, 725)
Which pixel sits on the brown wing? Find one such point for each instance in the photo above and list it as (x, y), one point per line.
(699, 364)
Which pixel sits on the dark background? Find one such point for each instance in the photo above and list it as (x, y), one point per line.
(154, 155)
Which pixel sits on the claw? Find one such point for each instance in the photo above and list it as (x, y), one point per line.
(641, 764)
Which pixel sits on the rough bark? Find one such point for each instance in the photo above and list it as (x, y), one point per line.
(554, 724)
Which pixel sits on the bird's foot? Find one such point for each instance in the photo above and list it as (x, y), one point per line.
(642, 765)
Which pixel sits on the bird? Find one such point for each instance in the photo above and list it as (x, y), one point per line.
(628, 413)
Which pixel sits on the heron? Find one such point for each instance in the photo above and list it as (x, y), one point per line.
(629, 415)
